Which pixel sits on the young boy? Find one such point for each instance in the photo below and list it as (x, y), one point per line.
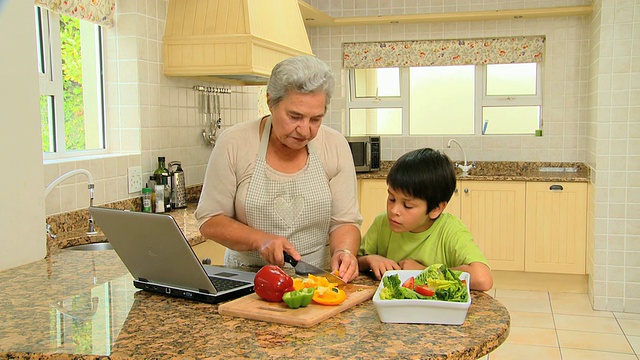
(415, 233)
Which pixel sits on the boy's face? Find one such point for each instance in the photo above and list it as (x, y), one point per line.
(406, 213)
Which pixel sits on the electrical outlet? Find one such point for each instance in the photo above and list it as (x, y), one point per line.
(135, 179)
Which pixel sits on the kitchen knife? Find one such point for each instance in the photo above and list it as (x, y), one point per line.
(303, 268)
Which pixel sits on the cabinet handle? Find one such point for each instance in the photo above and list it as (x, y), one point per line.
(455, 191)
(556, 188)
(466, 190)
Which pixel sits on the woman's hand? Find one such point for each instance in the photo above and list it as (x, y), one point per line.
(380, 264)
(271, 250)
(410, 264)
(346, 263)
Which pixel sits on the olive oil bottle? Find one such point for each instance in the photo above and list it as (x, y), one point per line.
(162, 176)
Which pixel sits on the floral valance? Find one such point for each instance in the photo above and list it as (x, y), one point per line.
(99, 12)
(443, 52)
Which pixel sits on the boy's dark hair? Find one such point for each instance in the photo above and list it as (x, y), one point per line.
(425, 174)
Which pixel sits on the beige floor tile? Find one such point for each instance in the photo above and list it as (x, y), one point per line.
(526, 305)
(635, 343)
(593, 341)
(530, 319)
(630, 327)
(525, 352)
(577, 354)
(587, 323)
(522, 294)
(518, 280)
(532, 336)
(629, 316)
(574, 304)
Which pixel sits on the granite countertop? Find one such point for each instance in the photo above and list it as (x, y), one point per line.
(82, 304)
(508, 171)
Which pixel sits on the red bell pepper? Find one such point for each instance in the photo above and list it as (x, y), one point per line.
(271, 282)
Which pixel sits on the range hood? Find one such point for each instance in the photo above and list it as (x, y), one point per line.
(232, 41)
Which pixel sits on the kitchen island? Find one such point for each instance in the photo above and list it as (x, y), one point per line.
(82, 304)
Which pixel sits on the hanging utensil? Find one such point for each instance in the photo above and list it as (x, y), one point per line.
(219, 121)
(205, 111)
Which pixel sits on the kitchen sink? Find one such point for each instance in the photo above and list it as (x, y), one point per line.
(91, 247)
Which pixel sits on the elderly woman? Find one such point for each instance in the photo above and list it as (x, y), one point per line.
(285, 183)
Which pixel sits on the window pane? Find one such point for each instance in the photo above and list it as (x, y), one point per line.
(511, 79)
(382, 121)
(511, 120)
(46, 123)
(371, 83)
(441, 100)
(82, 86)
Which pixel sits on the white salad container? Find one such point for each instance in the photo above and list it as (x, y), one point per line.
(420, 311)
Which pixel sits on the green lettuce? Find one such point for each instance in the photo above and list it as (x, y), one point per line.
(445, 282)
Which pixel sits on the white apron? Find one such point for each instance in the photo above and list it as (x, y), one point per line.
(296, 206)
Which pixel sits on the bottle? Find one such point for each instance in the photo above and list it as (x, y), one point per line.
(146, 199)
(152, 186)
(159, 198)
(162, 177)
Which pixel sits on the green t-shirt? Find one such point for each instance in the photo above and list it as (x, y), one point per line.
(447, 241)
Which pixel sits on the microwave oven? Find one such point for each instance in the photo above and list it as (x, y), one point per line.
(366, 152)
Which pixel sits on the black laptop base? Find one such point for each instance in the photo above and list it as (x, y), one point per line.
(193, 295)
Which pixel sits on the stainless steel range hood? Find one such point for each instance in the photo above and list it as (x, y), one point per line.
(232, 41)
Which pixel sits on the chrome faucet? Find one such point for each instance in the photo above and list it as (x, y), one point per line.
(61, 178)
(466, 167)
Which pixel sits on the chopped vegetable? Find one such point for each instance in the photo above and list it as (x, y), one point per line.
(271, 283)
(298, 298)
(436, 282)
(329, 296)
(409, 283)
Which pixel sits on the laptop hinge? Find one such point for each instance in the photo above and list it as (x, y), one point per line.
(143, 280)
(203, 291)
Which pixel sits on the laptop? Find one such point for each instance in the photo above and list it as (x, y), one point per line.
(160, 259)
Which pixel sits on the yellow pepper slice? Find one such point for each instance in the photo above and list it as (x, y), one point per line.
(329, 296)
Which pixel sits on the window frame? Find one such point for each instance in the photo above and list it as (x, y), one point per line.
(481, 100)
(49, 51)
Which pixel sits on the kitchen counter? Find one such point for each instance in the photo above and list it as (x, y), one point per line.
(82, 304)
(505, 171)
(184, 217)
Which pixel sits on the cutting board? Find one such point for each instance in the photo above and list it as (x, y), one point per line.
(253, 307)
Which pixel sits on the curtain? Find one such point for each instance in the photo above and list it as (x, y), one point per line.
(507, 50)
(99, 12)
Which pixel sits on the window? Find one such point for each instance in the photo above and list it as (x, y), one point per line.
(71, 85)
(445, 100)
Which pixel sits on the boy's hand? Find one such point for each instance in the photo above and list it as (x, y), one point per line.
(410, 264)
(380, 264)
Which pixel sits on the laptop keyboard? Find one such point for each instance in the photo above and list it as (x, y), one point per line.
(225, 284)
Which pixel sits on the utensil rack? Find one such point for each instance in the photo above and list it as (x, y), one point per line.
(211, 111)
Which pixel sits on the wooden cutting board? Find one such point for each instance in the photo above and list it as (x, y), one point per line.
(253, 307)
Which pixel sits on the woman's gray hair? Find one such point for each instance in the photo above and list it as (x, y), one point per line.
(302, 74)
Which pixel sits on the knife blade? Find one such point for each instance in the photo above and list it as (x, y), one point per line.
(304, 268)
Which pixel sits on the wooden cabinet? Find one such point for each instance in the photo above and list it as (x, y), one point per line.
(556, 227)
(210, 249)
(453, 206)
(373, 200)
(519, 226)
(494, 212)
